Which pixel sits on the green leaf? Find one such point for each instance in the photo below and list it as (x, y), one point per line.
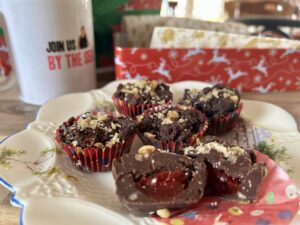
(7, 154)
(71, 178)
(270, 197)
(276, 153)
(48, 172)
(46, 151)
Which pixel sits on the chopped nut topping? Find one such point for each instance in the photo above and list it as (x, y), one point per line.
(217, 93)
(173, 114)
(113, 126)
(114, 140)
(234, 98)
(146, 150)
(145, 91)
(138, 157)
(96, 129)
(181, 120)
(163, 213)
(166, 121)
(160, 115)
(212, 93)
(227, 151)
(133, 196)
(90, 120)
(139, 118)
(154, 84)
(149, 135)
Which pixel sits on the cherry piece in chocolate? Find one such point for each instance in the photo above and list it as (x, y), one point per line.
(219, 183)
(155, 180)
(163, 185)
(231, 169)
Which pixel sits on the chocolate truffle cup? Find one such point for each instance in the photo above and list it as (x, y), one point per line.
(95, 159)
(151, 180)
(172, 145)
(219, 123)
(160, 94)
(232, 170)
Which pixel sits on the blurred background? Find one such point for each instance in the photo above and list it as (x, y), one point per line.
(275, 18)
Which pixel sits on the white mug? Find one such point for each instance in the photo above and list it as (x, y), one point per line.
(6, 77)
(51, 43)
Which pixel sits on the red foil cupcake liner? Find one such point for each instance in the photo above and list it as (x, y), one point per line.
(172, 146)
(96, 159)
(130, 110)
(221, 125)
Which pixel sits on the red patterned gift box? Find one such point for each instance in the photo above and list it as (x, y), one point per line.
(261, 70)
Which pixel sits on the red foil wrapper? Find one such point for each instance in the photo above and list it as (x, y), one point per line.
(223, 124)
(96, 159)
(130, 110)
(171, 146)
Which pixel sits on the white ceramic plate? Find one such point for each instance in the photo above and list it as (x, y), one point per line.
(50, 190)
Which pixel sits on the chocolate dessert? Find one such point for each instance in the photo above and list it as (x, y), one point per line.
(220, 104)
(168, 125)
(93, 140)
(151, 180)
(213, 102)
(144, 92)
(231, 169)
(95, 130)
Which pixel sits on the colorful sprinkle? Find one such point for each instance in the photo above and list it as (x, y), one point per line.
(177, 222)
(285, 215)
(270, 197)
(189, 215)
(291, 191)
(256, 212)
(213, 205)
(262, 222)
(236, 211)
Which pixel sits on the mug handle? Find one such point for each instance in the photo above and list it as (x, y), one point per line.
(7, 76)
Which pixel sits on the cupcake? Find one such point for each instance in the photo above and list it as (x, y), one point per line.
(220, 104)
(93, 139)
(132, 99)
(170, 127)
(152, 180)
(231, 170)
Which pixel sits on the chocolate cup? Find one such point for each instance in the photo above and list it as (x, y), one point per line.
(172, 146)
(128, 170)
(222, 124)
(96, 159)
(130, 110)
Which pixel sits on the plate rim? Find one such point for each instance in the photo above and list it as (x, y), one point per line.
(17, 202)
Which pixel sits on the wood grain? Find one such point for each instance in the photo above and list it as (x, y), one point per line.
(15, 115)
(9, 215)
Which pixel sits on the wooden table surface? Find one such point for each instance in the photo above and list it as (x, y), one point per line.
(14, 115)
